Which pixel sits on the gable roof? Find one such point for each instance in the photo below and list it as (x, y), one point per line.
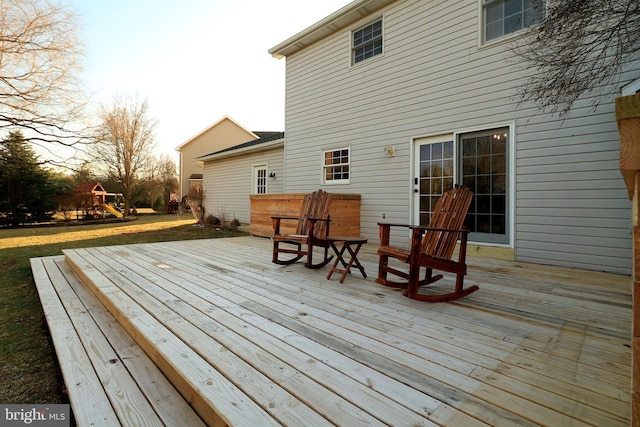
(338, 20)
(179, 147)
(270, 139)
(90, 187)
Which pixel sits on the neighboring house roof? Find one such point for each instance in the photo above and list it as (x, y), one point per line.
(195, 176)
(269, 140)
(90, 187)
(269, 134)
(338, 20)
(178, 148)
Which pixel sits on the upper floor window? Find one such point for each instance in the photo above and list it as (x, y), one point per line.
(336, 166)
(503, 17)
(367, 42)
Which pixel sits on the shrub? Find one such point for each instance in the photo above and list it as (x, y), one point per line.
(211, 220)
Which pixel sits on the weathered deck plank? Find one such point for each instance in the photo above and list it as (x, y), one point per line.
(90, 402)
(280, 363)
(116, 384)
(213, 396)
(534, 346)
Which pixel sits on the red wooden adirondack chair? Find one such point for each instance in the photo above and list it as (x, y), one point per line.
(312, 230)
(431, 247)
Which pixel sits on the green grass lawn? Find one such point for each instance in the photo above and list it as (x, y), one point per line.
(29, 369)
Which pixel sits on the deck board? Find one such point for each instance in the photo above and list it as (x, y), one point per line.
(109, 379)
(78, 370)
(284, 365)
(534, 346)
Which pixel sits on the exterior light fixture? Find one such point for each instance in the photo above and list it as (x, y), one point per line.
(390, 150)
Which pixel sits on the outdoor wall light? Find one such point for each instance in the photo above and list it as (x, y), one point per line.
(272, 174)
(390, 150)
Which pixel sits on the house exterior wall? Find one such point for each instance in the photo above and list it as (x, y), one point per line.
(222, 134)
(228, 182)
(569, 203)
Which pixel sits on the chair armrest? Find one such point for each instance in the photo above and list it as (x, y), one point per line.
(312, 224)
(417, 233)
(275, 221)
(385, 231)
(427, 228)
(421, 227)
(388, 224)
(319, 219)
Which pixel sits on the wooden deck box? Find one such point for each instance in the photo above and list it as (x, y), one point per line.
(344, 213)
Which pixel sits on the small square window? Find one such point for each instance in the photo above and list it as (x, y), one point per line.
(367, 42)
(336, 166)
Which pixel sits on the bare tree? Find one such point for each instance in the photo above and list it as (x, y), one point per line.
(125, 143)
(581, 49)
(160, 180)
(39, 67)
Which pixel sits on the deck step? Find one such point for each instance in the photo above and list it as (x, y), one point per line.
(110, 380)
(216, 399)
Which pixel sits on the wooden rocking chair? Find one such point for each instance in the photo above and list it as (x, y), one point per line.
(312, 230)
(431, 247)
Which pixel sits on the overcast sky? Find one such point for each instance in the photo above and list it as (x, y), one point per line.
(194, 60)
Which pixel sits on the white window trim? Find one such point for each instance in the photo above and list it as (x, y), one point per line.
(482, 43)
(511, 125)
(254, 178)
(352, 62)
(323, 168)
(631, 88)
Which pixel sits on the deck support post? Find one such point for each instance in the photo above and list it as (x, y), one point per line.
(628, 118)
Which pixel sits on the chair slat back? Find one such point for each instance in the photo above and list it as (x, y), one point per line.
(450, 212)
(315, 205)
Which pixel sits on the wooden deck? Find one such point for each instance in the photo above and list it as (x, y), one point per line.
(222, 331)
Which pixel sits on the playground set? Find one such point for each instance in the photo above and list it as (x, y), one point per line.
(97, 202)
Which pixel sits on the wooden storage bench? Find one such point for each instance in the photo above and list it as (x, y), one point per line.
(344, 213)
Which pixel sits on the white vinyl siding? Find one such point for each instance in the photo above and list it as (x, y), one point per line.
(570, 202)
(229, 182)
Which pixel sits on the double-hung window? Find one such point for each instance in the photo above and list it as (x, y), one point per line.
(504, 17)
(336, 166)
(367, 42)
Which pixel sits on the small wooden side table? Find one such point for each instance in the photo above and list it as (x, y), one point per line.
(352, 245)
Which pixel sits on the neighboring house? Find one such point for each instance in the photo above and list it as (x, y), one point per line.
(224, 133)
(398, 100)
(231, 174)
